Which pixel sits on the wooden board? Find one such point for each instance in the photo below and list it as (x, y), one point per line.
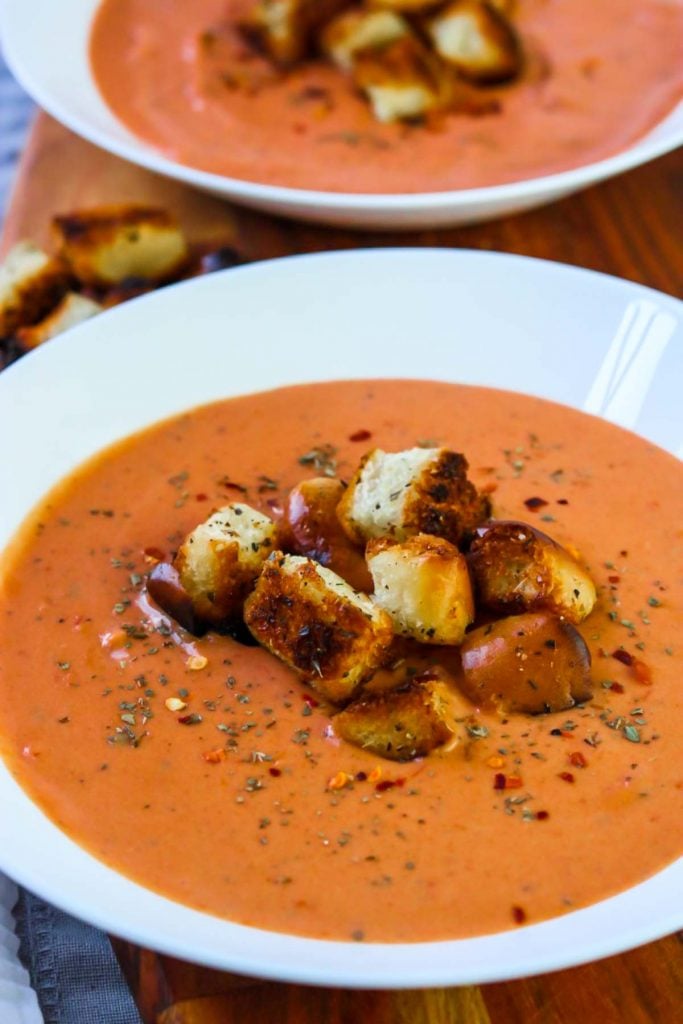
(631, 227)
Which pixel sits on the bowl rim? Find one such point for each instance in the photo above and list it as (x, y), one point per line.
(137, 151)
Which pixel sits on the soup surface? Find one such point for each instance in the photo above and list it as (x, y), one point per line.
(598, 76)
(227, 805)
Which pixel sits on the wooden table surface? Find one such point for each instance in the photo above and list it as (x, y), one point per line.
(631, 227)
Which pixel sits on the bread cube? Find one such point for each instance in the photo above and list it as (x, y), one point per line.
(285, 28)
(404, 6)
(108, 245)
(476, 39)
(31, 284)
(403, 80)
(404, 723)
(530, 663)
(420, 490)
(357, 30)
(310, 527)
(72, 310)
(424, 585)
(518, 568)
(331, 635)
(219, 560)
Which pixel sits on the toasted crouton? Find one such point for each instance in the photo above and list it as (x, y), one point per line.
(310, 527)
(403, 80)
(424, 585)
(420, 490)
(518, 568)
(529, 663)
(477, 40)
(31, 284)
(404, 6)
(219, 561)
(357, 30)
(73, 309)
(333, 636)
(107, 245)
(285, 28)
(401, 724)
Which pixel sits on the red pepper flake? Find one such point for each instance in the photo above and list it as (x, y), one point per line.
(566, 776)
(361, 776)
(385, 784)
(533, 504)
(502, 781)
(232, 486)
(542, 815)
(623, 656)
(192, 719)
(201, 497)
(616, 688)
(214, 756)
(518, 915)
(642, 672)
(614, 579)
(360, 435)
(153, 554)
(562, 501)
(275, 772)
(311, 701)
(499, 781)
(577, 759)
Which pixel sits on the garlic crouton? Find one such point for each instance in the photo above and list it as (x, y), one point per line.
(420, 490)
(529, 663)
(476, 39)
(31, 284)
(401, 724)
(403, 80)
(284, 28)
(112, 243)
(310, 527)
(424, 585)
(517, 568)
(310, 618)
(218, 562)
(73, 309)
(357, 30)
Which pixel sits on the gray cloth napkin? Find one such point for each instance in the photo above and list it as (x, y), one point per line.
(72, 967)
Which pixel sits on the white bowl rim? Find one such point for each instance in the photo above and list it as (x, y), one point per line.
(139, 152)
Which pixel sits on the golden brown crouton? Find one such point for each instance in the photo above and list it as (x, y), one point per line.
(477, 40)
(73, 309)
(311, 619)
(310, 527)
(403, 80)
(31, 284)
(285, 28)
(358, 29)
(107, 245)
(420, 490)
(424, 585)
(529, 663)
(404, 6)
(219, 561)
(402, 724)
(517, 568)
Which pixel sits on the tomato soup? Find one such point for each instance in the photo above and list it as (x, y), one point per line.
(597, 77)
(201, 767)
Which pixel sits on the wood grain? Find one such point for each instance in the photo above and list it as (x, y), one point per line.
(631, 227)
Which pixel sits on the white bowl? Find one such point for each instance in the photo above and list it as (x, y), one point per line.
(522, 324)
(45, 44)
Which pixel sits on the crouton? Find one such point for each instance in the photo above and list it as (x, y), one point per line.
(403, 80)
(310, 618)
(477, 40)
(31, 284)
(105, 246)
(420, 490)
(310, 527)
(404, 723)
(518, 568)
(73, 309)
(404, 6)
(218, 562)
(285, 28)
(424, 585)
(357, 30)
(530, 663)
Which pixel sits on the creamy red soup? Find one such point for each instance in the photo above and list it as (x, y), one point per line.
(227, 805)
(597, 77)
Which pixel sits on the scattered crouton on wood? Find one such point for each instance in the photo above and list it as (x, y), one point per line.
(31, 285)
(71, 310)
